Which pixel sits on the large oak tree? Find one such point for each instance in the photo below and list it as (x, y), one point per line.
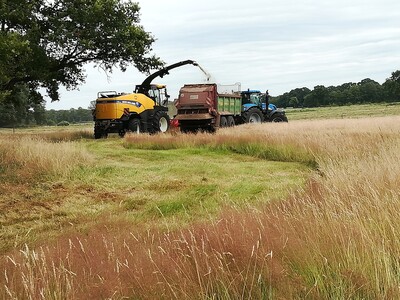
(46, 43)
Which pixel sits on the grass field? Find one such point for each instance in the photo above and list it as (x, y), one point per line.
(340, 112)
(304, 210)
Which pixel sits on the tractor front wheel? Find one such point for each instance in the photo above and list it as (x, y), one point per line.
(279, 118)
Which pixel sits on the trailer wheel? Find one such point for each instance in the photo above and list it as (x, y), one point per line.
(134, 126)
(231, 121)
(160, 122)
(223, 122)
(253, 115)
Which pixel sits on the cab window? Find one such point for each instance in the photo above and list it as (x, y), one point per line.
(255, 99)
(154, 94)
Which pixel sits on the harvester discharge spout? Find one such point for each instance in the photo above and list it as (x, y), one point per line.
(208, 76)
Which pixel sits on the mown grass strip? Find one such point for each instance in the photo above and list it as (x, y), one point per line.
(245, 145)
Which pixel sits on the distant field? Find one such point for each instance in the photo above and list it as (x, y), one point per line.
(298, 210)
(342, 112)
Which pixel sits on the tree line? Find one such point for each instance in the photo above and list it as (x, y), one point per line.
(19, 116)
(365, 91)
(23, 110)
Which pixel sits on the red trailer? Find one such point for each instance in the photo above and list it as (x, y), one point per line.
(200, 107)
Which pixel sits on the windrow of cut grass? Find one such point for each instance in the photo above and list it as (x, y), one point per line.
(65, 136)
(335, 239)
(245, 140)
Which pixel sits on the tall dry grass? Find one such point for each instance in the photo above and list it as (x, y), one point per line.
(336, 239)
(24, 156)
(30, 170)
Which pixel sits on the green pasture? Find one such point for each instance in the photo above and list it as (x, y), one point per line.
(343, 112)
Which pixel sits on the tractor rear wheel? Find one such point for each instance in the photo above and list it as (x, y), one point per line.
(160, 122)
(253, 115)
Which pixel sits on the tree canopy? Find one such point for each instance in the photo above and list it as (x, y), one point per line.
(45, 44)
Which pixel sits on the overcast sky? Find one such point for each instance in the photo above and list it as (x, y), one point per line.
(277, 45)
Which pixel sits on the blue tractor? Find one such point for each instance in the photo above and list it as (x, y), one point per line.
(256, 108)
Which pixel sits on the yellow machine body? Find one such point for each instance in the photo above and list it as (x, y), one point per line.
(115, 107)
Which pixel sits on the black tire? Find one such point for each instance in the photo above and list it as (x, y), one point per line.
(160, 122)
(134, 126)
(98, 133)
(209, 129)
(279, 118)
(253, 115)
(223, 122)
(189, 130)
(121, 133)
(231, 121)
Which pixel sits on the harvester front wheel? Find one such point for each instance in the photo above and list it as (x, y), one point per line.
(161, 122)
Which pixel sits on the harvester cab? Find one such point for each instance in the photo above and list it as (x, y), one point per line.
(158, 92)
(145, 110)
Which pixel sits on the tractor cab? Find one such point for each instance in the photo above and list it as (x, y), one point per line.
(251, 96)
